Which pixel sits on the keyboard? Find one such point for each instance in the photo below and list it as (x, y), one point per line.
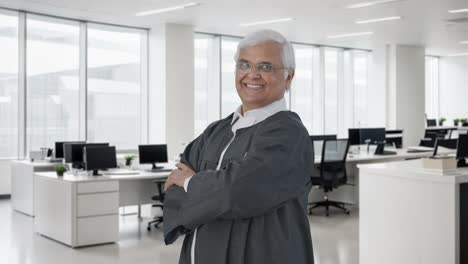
(419, 149)
(120, 172)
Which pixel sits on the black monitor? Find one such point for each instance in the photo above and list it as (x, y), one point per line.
(462, 150)
(152, 154)
(59, 153)
(446, 143)
(99, 158)
(73, 152)
(359, 136)
(322, 137)
(372, 135)
(431, 122)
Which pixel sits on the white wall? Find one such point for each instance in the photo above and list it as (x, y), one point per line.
(406, 91)
(376, 91)
(5, 177)
(453, 91)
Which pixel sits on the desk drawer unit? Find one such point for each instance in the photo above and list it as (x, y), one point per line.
(97, 230)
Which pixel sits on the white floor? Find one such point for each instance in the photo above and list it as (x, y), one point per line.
(335, 240)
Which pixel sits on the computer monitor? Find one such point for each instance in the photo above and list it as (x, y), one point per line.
(152, 154)
(59, 153)
(73, 152)
(462, 150)
(359, 136)
(446, 143)
(372, 135)
(99, 158)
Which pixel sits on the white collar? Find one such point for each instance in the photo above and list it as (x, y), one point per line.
(257, 115)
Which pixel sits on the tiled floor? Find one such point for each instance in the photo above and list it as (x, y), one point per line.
(335, 240)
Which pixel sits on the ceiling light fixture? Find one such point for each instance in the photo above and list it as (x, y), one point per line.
(458, 11)
(464, 42)
(372, 3)
(267, 22)
(375, 20)
(167, 9)
(458, 54)
(350, 35)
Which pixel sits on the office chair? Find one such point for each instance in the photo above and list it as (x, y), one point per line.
(431, 122)
(332, 172)
(317, 141)
(430, 139)
(159, 198)
(446, 143)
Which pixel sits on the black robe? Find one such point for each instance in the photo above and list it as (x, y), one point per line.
(254, 209)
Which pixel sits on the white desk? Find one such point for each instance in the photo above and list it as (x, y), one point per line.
(409, 215)
(22, 183)
(83, 210)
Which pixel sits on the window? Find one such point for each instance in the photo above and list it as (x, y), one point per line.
(230, 100)
(207, 81)
(114, 95)
(8, 85)
(331, 90)
(52, 81)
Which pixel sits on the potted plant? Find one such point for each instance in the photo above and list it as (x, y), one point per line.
(128, 159)
(60, 169)
(463, 121)
(456, 121)
(441, 121)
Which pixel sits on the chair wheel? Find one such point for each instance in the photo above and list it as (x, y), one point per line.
(148, 228)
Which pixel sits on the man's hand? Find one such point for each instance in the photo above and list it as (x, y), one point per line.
(179, 176)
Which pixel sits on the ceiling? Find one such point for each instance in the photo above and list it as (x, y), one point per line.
(424, 21)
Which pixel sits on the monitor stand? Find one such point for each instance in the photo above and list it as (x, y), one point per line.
(461, 163)
(155, 167)
(96, 173)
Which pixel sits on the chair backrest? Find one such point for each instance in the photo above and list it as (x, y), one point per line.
(317, 141)
(446, 143)
(333, 165)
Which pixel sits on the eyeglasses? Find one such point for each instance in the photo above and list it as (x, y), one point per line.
(244, 66)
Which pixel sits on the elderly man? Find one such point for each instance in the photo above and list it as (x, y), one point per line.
(240, 192)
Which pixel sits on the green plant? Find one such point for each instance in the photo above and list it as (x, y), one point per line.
(463, 120)
(60, 169)
(456, 121)
(442, 120)
(128, 159)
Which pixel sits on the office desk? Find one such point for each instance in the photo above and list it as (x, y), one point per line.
(409, 215)
(350, 193)
(83, 210)
(22, 183)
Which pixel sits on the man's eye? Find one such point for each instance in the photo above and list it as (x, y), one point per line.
(243, 65)
(265, 67)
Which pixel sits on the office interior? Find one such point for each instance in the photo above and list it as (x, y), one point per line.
(131, 73)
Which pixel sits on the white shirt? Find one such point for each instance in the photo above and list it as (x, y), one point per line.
(249, 118)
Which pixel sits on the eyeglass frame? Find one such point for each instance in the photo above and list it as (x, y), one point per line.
(257, 67)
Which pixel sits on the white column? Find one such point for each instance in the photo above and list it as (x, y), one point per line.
(171, 82)
(405, 91)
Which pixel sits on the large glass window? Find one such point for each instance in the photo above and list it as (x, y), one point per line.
(360, 80)
(230, 100)
(8, 85)
(432, 87)
(331, 90)
(114, 96)
(207, 81)
(52, 81)
(302, 89)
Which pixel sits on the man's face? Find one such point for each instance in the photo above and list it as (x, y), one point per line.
(256, 88)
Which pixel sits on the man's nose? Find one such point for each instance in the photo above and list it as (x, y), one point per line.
(254, 73)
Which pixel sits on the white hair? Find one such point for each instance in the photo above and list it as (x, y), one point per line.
(267, 35)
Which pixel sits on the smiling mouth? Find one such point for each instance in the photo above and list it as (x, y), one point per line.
(253, 86)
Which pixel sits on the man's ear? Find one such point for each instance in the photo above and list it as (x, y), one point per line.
(289, 79)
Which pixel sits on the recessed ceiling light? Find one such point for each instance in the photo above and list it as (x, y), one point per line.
(464, 42)
(458, 10)
(375, 20)
(458, 54)
(350, 35)
(371, 3)
(266, 22)
(167, 9)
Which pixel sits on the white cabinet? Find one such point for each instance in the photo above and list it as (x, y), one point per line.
(77, 213)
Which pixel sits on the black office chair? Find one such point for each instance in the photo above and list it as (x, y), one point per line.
(331, 172)
(159, 198)
(430, 139)
(446, 143)
(317, 141)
